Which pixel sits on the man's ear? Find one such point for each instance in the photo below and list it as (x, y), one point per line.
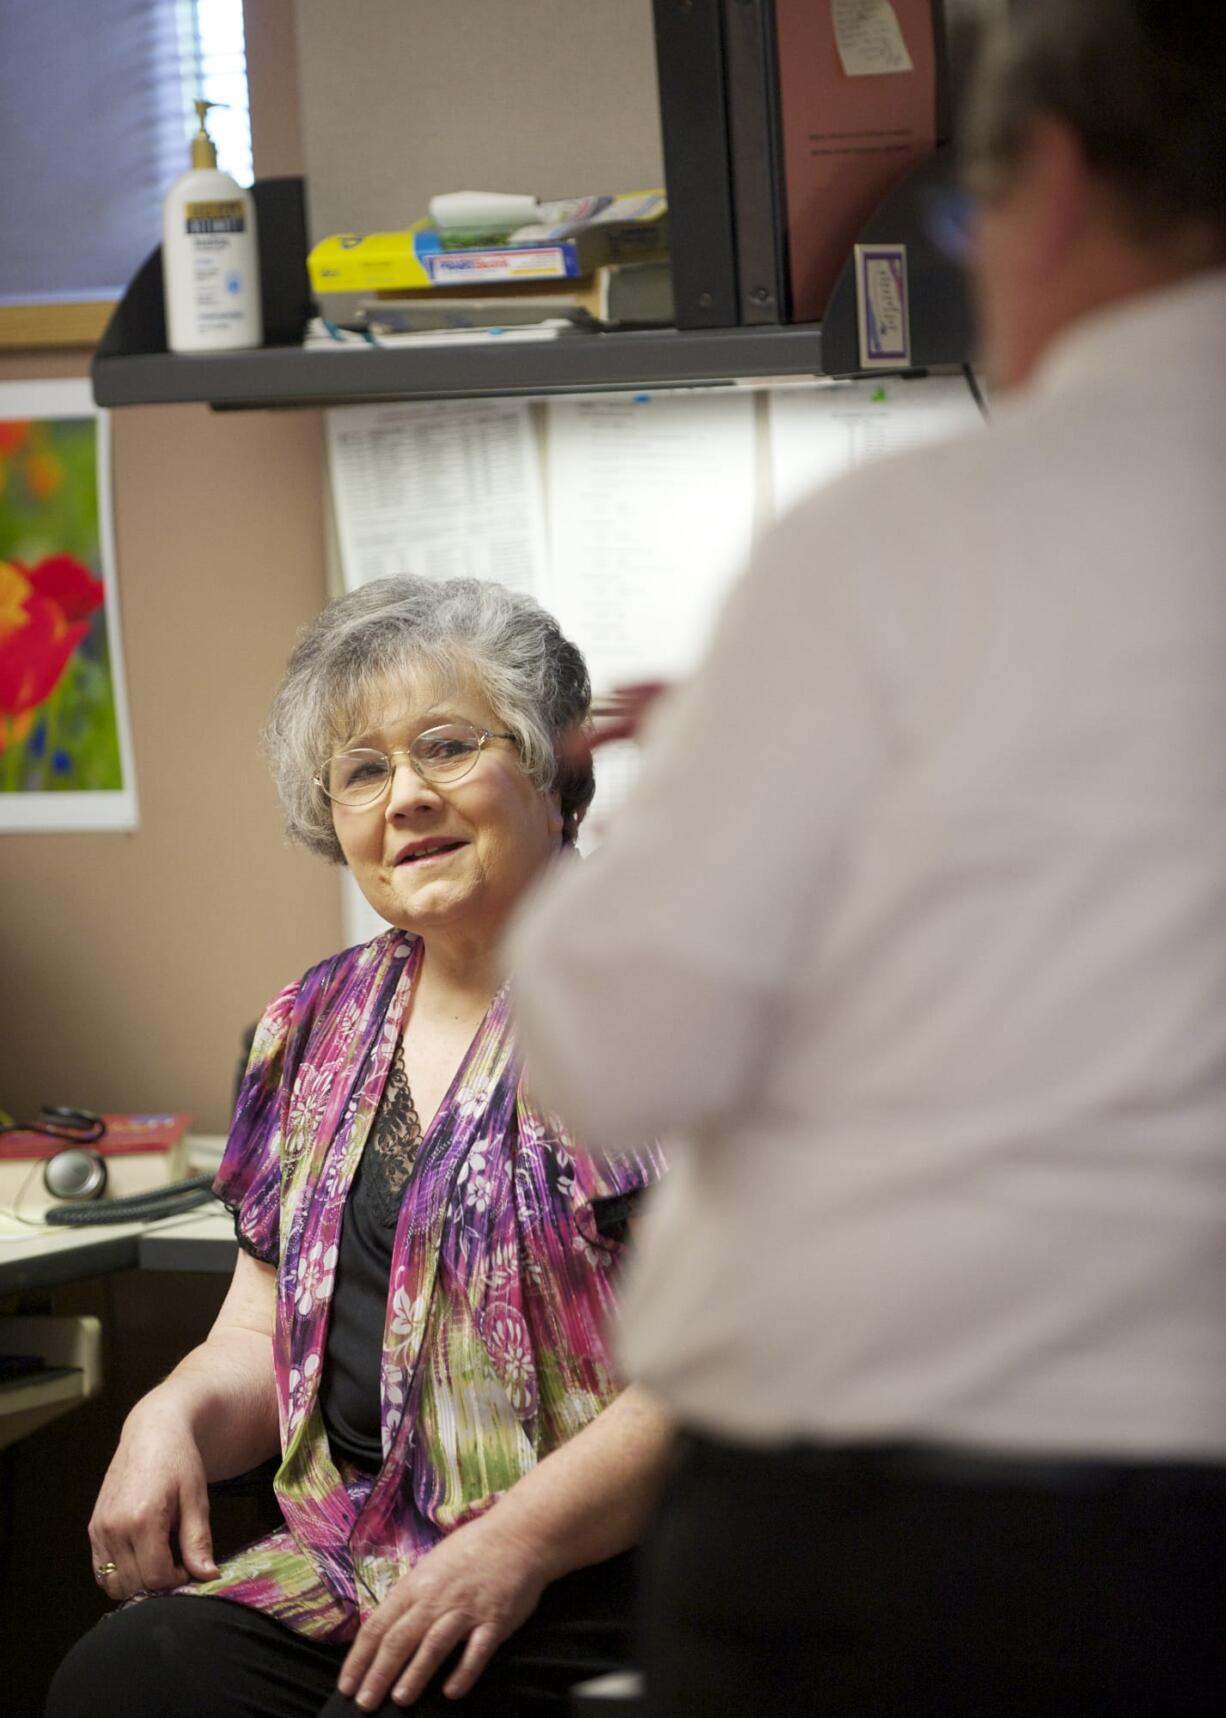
(1056, 190)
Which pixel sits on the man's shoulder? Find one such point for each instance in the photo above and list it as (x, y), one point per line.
(921, 502)
(885, 513)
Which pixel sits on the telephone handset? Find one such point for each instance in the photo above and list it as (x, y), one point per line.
(77, 1176)
(167, 1201)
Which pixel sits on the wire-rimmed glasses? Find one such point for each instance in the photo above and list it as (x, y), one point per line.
(362, 775)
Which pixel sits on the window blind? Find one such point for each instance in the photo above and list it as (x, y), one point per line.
(95, 120)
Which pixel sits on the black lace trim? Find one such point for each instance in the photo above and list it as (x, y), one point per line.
(395, 1139)
(247, 1245)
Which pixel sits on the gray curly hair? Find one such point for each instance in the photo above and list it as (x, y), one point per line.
(533, 678)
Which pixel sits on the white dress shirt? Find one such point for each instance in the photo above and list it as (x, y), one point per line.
(912, 941)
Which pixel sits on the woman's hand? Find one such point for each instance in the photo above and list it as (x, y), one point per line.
(478, 1585)
(585, 1501)
(154, 1488)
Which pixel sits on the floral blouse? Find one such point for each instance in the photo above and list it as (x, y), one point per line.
(496, 1344)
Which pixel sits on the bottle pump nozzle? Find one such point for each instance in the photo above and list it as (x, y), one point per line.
(204, 150)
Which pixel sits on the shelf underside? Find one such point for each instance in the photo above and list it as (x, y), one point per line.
(579, 363)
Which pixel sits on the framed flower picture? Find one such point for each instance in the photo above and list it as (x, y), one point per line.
(65, 739)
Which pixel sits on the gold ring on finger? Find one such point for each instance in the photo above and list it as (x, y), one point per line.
(103, 1570)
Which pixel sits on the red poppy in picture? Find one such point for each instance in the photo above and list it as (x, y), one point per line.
(14, 433)
(44, 615)
(71, 587)
(62, 738)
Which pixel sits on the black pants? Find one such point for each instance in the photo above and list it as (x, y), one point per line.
(185, 1657)
(910, 1584)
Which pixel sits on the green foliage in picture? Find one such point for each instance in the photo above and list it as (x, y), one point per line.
(58, 728)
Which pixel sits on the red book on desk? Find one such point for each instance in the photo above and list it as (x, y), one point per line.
(142, 1152)
(124, 1135)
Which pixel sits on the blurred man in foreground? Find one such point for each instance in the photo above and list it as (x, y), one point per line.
(914, 936)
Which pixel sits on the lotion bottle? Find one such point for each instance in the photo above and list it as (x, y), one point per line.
(210, 265)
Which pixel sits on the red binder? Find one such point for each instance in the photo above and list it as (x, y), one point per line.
(848, 138)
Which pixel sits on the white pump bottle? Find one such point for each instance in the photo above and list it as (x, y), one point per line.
(210, 264)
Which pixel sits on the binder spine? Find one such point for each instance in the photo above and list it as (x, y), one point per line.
(757, 168)
(697, 164)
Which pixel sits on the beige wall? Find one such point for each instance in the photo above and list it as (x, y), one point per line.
(555, 97)
(130, 963)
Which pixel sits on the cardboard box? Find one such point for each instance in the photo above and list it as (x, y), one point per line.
(629, 228)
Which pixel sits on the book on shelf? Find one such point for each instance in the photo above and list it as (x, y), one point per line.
(689, 46)
(632, 295)
(629, 227)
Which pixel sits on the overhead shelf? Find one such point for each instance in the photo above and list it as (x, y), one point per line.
(580, 362)
(132, 366)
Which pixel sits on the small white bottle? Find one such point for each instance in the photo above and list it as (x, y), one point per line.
(210, 265)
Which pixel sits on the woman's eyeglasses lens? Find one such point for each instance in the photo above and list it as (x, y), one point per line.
(360, 777)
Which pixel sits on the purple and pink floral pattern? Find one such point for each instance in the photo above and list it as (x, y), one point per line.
(497, 1330)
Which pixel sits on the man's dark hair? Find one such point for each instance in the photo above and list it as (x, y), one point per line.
(1141, 82)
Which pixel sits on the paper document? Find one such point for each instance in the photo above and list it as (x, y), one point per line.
(617, 770)
(869, 38)
(651, 503)
(324, 336)
(651, 512)
(819, 433)
(444, 490)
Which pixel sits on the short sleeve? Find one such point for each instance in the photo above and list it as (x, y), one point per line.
(609, 1191)
(571, 1212)
(249, 1180)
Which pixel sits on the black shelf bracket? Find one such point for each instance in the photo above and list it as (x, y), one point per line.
(942, 324)
(137, 328)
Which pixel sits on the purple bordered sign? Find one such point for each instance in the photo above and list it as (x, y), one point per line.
(882, 307)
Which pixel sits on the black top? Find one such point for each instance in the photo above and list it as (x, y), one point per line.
(353, 1354)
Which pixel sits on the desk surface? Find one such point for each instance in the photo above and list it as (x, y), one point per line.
(200, 1240)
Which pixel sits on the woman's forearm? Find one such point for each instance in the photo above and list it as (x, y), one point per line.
(223, 1392)
(592, 1497)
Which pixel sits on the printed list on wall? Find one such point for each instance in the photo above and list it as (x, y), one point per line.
(628, 516)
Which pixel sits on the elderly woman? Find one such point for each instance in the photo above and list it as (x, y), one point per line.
(419, 1315)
